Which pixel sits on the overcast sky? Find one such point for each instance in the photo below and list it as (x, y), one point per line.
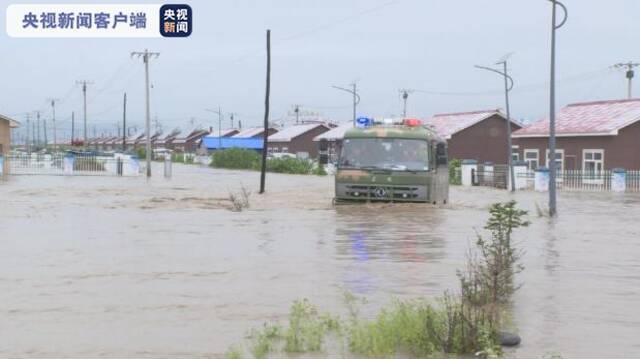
(383, 45)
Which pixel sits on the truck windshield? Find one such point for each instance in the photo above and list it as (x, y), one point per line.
(385, 153)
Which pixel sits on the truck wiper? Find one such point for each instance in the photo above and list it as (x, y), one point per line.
(372, 168)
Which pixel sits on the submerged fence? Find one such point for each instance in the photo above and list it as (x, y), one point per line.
(67, 164)
(578, 180)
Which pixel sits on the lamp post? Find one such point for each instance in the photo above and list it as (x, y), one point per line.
(356, 98)
(220, 116)
(508, 85)
(552, 107)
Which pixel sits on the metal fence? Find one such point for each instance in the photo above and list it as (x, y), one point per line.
(578, 180)
(78, 165)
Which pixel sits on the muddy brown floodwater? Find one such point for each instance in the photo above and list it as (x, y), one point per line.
(122, 267)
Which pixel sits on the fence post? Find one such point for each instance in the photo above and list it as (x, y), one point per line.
(520, 173)
(67, 164)
(618, 180)
(119, 165)
(467, 167)
(47, 161)
(167, 166)
(542, 179)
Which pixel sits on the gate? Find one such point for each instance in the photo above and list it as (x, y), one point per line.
(490, 176)
(78, 165)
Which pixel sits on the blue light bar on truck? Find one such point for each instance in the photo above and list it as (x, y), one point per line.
(364, 122)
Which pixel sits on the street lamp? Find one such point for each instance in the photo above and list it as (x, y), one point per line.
(356, 98)
(552, 107)
(220, 117)
(508, 85)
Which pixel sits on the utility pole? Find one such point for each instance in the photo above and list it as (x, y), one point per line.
(33, 135)
(73, 127)
(552, 107)
(231, 118)
(265, 139)
(220, 117)
(53, 110)
(28, 137)
(405, 95)
(146, 55)
(38, 130)
(297, 111)
(124, 123)
(219, 128)
(84, 84)
(629, 66)
(356, 98)
(44, 129)
(508, 86)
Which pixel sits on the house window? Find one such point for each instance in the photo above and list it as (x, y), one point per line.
(592, 161)
(532, 157)
(515, 153)
(285, 149)
(559, 159)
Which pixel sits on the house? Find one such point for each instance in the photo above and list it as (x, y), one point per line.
(6, 124)
(477, 135)
(590, 136)
(134, 140)
(166, 140)
(254, 132)
(297, 139)
(189, 140)
(334, 140)
(213, 143)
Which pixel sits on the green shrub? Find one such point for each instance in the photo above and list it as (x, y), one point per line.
(141, 152)
(290, 165)
(236, 158)
(455, 172)
(177, 157)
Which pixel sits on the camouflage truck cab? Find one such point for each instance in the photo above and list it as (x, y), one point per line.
(403, 162)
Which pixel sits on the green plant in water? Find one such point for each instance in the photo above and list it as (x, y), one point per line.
(488, 280)
(234, 352)
(307, 329)
(264, 341)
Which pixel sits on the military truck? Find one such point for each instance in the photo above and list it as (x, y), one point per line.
(393, 161)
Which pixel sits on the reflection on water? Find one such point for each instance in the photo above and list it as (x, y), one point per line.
(119, 267)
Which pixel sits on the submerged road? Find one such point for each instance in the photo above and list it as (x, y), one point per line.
(122, 267)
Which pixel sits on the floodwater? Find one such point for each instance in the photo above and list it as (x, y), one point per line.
(122, 267)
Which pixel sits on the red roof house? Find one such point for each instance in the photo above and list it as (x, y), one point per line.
(591, 136)
(478, 135)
